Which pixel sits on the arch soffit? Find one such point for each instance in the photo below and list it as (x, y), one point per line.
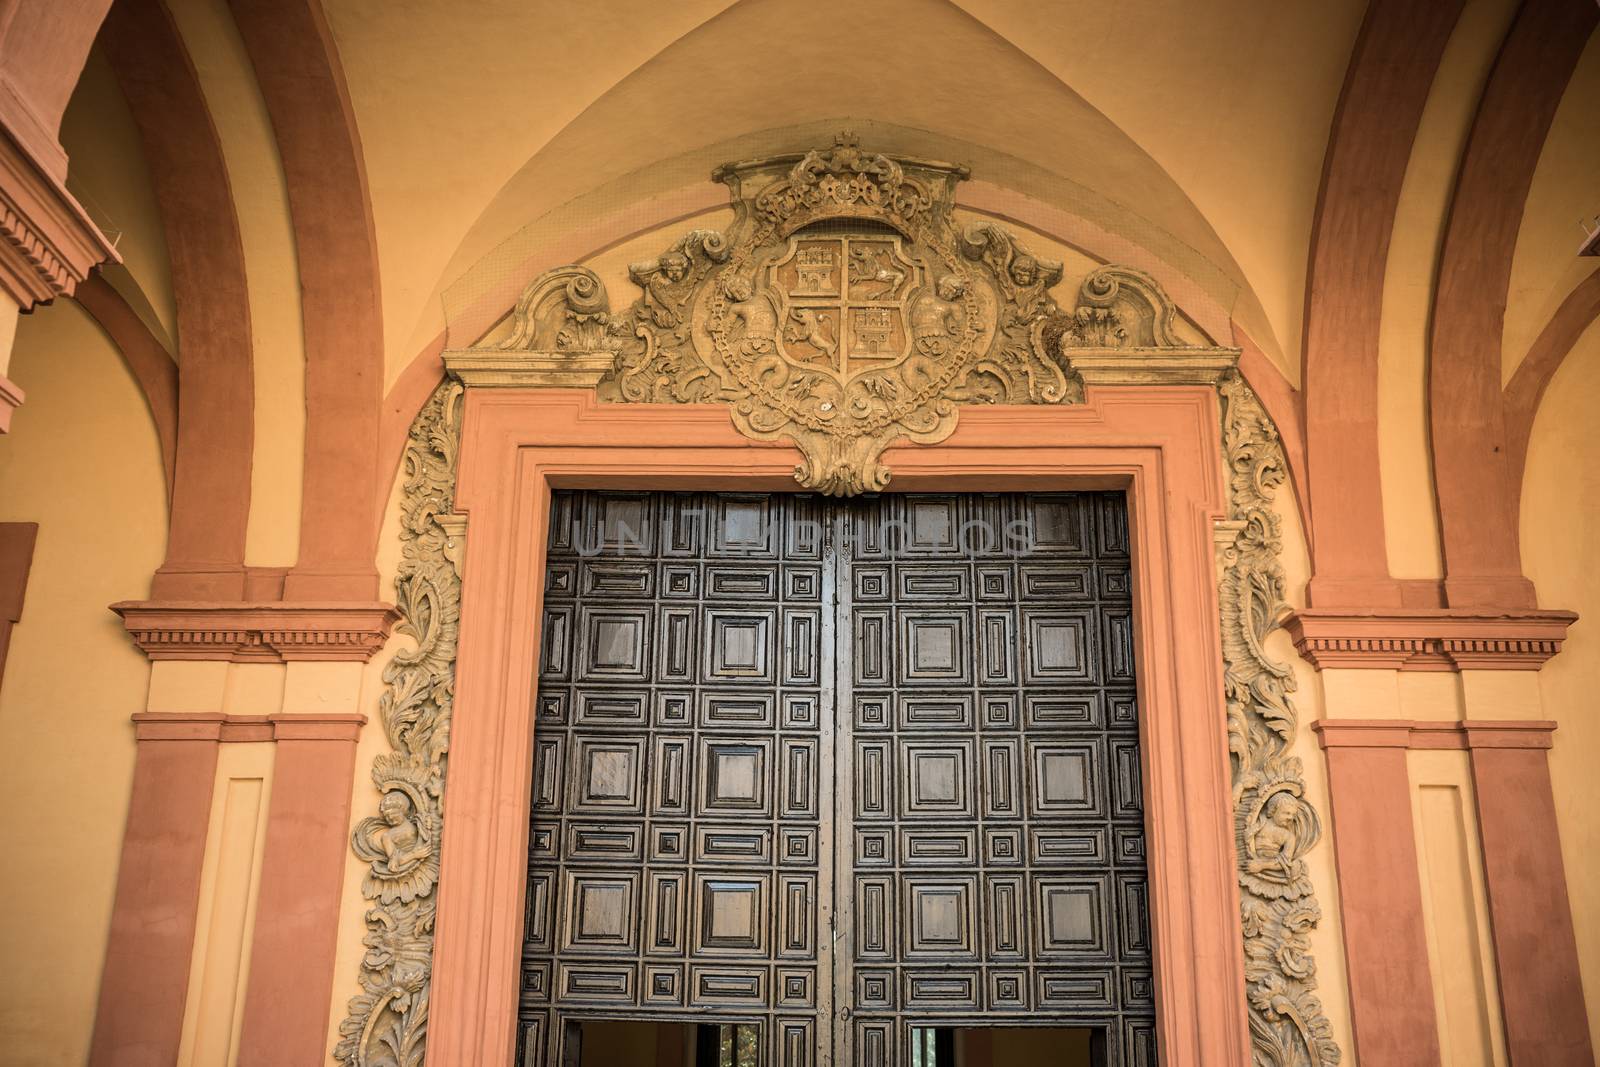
(665, 124)
(482, 308)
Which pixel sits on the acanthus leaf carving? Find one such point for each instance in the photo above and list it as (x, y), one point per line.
(566, 310)
(387, 1023)
(1274, 822)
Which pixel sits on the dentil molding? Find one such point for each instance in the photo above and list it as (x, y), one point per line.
(257, 632)
(1441, 639)
(50, 244)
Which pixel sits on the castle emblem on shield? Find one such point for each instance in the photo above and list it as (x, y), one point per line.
(842, 301)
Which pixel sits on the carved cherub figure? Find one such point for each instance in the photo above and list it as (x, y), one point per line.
(936, 317)
(664, 288)
(401, 846)
(1276, 839)
(1024, 280)
(754, 310)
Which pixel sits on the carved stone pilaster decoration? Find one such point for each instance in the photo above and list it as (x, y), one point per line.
(843, 310)
(388, 1023)
(1274, 823)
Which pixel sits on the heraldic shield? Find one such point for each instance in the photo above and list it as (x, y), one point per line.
(843, 310)
(842, 300)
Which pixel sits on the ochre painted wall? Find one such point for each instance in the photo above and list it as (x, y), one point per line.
(1193, 133)
(1560, 544)
(83, 462)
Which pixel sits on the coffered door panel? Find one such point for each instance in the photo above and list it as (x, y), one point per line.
(838, 771)
(680, 861)
(996, 837)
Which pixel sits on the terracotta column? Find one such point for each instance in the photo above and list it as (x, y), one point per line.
(146, 979)
(16, 560)
(302, 874)
(1391, 986)
(1541, 992)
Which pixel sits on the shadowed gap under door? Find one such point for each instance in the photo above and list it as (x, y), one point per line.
(613, 1042)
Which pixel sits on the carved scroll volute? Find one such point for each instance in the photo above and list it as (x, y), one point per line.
(565, 310)
(1119, 307)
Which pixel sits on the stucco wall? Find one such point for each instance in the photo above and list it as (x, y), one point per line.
(83, 462)
(1560, 543)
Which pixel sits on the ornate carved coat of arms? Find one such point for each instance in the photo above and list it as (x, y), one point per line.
(845, 310)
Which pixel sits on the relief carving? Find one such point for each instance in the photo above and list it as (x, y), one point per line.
(387, 1024)
(843, 310)
(1274, 824)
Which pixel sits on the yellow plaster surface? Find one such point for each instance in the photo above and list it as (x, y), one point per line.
(666, 124)
(230, 876)
(1502, 695)
(1433, 696)
(1224, 95)
(326, 687)
(1327, 940)
(107, 172)
(364, 799)
(182, 685)
(1360, 694)
(1546, 266)
(1455, 910)
(272, 274)
(72, 677)
(8, 330)
(253, 688)
(450, 107)
(1560, 545)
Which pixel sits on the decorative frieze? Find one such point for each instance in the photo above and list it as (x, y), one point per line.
(1440, 639)
(257, 633)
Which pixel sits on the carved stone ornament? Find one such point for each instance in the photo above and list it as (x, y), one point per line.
(844, 310)
(1274, 823)
(387, 1024)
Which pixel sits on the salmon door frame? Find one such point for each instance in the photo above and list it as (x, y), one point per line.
(1160, 444)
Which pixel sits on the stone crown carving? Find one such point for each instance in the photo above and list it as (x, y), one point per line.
(844, 310)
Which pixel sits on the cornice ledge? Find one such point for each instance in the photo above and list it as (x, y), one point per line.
(1148, 365)
(1428, 639)
(257, 632)
(50, 243)
(494, 368)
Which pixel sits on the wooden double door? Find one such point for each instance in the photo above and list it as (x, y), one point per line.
(837, 774)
